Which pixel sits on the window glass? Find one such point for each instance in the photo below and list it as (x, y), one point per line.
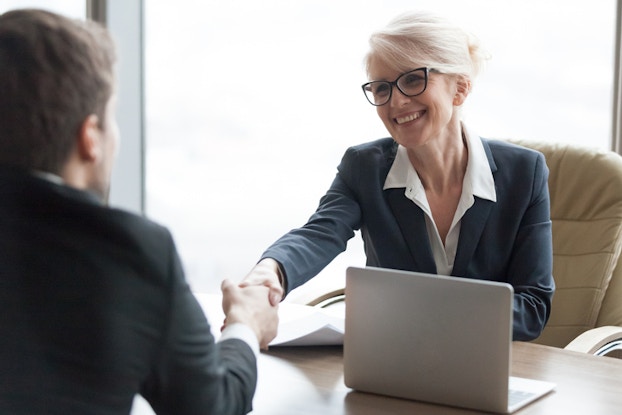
(251, 104)
(71, 8)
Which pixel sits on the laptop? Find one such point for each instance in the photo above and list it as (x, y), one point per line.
(432, 338)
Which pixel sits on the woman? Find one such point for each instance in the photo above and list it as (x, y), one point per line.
(433, 197)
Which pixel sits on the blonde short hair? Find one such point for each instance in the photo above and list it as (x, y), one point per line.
(421, 39)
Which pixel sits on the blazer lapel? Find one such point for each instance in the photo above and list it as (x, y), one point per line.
(411, 221)
(473, 223)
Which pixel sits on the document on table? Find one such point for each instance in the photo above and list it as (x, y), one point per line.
(299, 325)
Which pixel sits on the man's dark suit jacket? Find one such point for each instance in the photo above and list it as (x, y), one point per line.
(94, 308)
(508, 240)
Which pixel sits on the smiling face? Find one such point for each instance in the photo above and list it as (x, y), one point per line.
(416, 121)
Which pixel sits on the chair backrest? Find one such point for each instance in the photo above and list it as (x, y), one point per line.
(585, 185)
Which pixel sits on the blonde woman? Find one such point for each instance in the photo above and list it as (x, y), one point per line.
(433, 197)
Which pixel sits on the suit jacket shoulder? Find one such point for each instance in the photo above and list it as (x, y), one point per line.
(96, 309)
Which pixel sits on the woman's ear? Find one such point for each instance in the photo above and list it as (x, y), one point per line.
(89, 139)
(463, 88)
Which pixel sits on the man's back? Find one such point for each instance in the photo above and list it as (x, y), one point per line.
(95, 309)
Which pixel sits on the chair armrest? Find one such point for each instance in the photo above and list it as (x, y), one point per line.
(329, 298)
(599, 341)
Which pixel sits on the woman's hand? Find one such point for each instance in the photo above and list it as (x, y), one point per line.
(266, 273)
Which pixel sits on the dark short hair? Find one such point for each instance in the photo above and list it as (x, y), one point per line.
(54, 73)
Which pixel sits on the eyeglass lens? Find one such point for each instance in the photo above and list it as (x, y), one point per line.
(410, 84)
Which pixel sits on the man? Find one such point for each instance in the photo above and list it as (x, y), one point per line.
(94, 305)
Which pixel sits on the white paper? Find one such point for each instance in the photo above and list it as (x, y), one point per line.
(302, 325)
(299, 325)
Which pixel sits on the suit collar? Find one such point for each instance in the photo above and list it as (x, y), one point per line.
(489, 156)
(20, 184)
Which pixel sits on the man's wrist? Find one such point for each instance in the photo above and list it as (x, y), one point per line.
(243, 332)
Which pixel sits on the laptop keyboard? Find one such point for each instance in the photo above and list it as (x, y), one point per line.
(515, 396)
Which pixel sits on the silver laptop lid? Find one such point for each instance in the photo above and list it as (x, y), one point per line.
(427, 337)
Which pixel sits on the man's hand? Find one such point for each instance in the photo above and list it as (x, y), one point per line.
(266, 273)
(250, 306)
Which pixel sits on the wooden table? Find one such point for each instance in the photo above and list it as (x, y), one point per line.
(309, 380)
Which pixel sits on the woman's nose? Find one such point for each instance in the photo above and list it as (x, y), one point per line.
(398, 98)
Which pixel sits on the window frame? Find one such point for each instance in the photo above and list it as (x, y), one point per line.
(125, 20)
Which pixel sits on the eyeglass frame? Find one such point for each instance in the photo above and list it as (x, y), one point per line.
(426, 71)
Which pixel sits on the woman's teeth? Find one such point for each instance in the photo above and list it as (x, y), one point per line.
(408, 118)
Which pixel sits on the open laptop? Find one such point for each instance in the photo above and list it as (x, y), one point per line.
(432, 338)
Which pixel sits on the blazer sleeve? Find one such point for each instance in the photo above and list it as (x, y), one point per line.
(305, 251)
(530, 269)
(192, 373)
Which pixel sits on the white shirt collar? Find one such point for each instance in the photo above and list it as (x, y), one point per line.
(478, 174)
(51, 177)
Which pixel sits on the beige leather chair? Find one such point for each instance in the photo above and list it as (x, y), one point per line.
(586, 210)
(585, 185)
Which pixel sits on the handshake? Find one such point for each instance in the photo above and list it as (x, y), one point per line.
(254, 302)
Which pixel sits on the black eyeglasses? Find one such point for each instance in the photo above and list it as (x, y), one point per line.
(411, 83)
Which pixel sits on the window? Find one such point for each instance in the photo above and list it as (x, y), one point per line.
(250, 106)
